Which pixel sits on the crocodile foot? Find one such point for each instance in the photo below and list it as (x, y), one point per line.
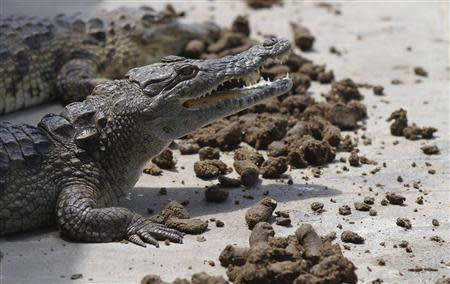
(144, 231)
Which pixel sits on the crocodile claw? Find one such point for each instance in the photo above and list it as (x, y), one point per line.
(149, 232)
(138, 241)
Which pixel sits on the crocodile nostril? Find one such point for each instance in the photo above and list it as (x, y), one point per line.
(269, 42)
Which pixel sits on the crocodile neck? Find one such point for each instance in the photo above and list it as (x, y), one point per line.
(128, 147)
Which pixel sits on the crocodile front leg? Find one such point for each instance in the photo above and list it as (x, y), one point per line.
(79, 218)
(76, 80)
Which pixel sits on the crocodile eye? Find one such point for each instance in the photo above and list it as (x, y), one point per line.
(187, 70)
(269, 42)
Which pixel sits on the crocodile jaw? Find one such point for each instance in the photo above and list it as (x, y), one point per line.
(236, 85)
(239, 98)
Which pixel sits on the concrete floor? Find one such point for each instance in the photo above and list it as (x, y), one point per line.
(374, 37)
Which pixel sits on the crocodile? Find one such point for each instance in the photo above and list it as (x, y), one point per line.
(63, 58)
(73, 167)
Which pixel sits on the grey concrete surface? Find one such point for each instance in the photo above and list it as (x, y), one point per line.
(374, 37)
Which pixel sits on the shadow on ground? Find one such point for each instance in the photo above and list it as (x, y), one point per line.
(142, 198)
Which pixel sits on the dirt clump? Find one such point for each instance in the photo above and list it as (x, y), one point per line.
(233, 255)
(400, 122)
(221, 134)
(175, 216)
(260, 212)
(334, 50)
(228, 137)
(400, 127)
(351, 237)
(210, 169)
(378, 90)
(345, 210)
(317, 207)
(222, 42)
(309, 151)
(443, 280)
(261, 233)
(250, 155)
(216, 194)
(187, 147)
(369, 200)
(302, 37)
(203, 277)
(301, 83)
(274, 167)
(300, 258)
(174, 209)
(262, 129)
(258, 4)
(397, 82)
(165, 160)
(76, 276)
(345, 115)
(430, 149)
(435, 222)
(170, 11)
(194, 48)
(208, 153)
(219, 223)
(188, 226)
(249, 177)
(404, 222)
(332, 135)
(419, 200)
(241, 25)
(311, 70)
(310, 240)
(152, 169)
(228, 43)
(316, 127)
(283, 218)
(348, 143)
(344, 90)
(414, 132)
(248, 171)
(353, 159)
(197, 278)
(225, 181)
(277, 149)
(420, 71)
(151, 279)
(437, 239)
(360, 206)
(325, 77)
(395, 198)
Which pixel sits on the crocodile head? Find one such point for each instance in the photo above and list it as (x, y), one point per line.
(179, 95)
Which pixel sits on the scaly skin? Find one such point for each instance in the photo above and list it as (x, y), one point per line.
(65, 57)
(73, 167)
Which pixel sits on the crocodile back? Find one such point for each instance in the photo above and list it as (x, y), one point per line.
(23, 148)
(27, 190)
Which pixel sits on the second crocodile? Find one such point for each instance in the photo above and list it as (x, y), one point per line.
(65, 57)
